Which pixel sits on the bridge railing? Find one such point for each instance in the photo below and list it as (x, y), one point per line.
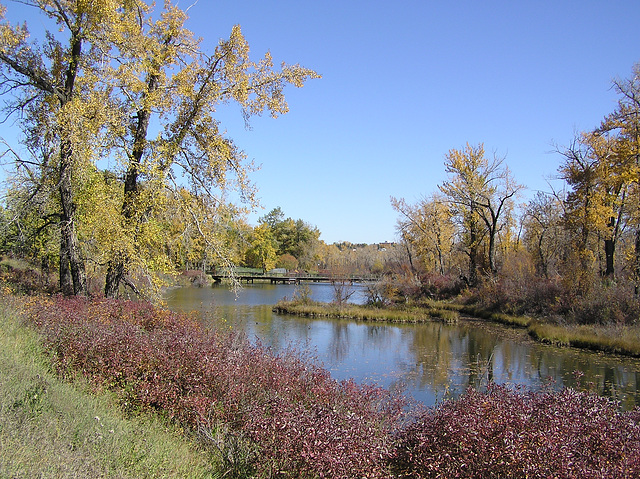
(324, 275)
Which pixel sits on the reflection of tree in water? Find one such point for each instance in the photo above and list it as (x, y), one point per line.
(378, 335)
(433, 358)
(431, 347)
(339, 342)
(449, 359)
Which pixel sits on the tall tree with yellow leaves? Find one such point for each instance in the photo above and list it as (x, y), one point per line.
(479, 191)
(429, 228)
(56, 85)
(122, 67)
(624, 123)
(166, 76)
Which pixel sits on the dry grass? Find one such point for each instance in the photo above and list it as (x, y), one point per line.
(365, 313)
(610, 339)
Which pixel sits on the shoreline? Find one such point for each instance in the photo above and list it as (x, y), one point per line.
(615, 340)
(278, 402)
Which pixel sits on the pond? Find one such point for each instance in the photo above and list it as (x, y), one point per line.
(430, 361)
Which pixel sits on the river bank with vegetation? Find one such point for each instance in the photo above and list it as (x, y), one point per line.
(236, 408)
(55, 427)
(411, 314)
(611, 339)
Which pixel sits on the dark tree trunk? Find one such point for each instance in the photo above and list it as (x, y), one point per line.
(117, 268)
(69, 246)
(542, 267)
(636, 266)
(66, 282)
(609, 250)
(115, 273)
(473, 251)
(492, 251)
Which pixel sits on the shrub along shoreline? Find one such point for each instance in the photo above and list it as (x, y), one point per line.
(622, 340)
(261, 414)
(50, 427)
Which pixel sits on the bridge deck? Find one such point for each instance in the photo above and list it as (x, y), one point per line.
(293, 279)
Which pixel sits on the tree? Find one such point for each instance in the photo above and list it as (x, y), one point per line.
(122, 68)
(296, 238)
(625, 122)
(429, 229)
(615, 175)
(598, 172)
(479, 191)
(543, 231)
(56, 87)
(168, 76)
(263, 250)
(287, 262)
(273, 218)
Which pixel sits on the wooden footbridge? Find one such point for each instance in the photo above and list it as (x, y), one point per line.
(293, 278)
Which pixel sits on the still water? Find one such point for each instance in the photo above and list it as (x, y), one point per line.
(430, 361)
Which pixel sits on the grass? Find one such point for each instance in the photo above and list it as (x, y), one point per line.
(502, 318)
(51, 428)
(365, 313)
(623, 340)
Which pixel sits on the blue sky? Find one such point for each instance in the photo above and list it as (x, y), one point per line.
(404, 82)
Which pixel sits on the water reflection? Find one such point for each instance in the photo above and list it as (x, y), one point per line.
(432, 361)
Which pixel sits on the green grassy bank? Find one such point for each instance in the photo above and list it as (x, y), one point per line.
(51, 428)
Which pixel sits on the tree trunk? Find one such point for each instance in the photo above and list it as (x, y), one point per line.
(492, 251)
(473, 250)
(118, 266)
(69, 246)
(115, 273)
(609, 250)
(440, 260)
(66, 282)
(542, 268)
(636, 266)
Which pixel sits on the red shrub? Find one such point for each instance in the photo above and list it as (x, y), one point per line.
(503, 433)
(296, 421)
(440, 287)
(302, 421)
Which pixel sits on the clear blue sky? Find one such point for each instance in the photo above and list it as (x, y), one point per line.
(404, 82)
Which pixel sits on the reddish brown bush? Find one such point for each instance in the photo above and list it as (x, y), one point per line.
(510, 434)
(303, 422)
(282, 415)
(439, 287)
